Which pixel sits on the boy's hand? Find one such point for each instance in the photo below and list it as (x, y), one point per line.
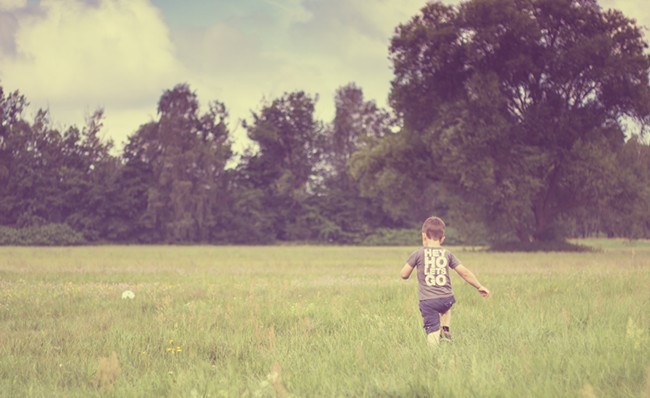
(484, 291)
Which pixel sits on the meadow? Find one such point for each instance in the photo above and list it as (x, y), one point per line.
(317, 321)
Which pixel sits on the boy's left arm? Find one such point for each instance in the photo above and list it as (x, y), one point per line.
(471, 279)
(406, 271)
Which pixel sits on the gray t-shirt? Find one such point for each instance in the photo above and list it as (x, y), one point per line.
(433, 264)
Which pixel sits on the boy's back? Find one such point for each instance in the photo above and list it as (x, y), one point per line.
(433, 264)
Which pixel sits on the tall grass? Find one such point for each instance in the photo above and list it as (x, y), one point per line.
(318, 321)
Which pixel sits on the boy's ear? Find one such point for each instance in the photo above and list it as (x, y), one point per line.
(442, 240)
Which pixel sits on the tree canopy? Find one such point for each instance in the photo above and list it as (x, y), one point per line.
(515, 109)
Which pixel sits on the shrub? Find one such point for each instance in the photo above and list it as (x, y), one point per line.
(46, 235)
(539, 246)
(404, 237)
(392, 237)
(9, 236)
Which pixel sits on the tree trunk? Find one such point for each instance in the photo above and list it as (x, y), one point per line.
(523, 236)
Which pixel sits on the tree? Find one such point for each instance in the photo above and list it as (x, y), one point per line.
(509, 100)
(356, 122)
(356, 125)
(32, 190)
(87, 176)
(50, 178)
(626, 213)
(182, 158)
(11, 108)
(279, 173)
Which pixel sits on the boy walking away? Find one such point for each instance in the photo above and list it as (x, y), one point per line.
(433, 263)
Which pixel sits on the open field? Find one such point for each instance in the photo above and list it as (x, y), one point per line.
(311, 321)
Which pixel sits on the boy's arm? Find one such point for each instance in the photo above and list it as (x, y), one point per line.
(406, 271)
(471, 279)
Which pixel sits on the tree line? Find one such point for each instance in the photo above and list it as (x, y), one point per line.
(507, 118)
(172, 183)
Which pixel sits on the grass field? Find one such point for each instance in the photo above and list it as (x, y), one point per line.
(318, 321)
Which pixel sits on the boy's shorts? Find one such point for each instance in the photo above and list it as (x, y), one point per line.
(431, 310)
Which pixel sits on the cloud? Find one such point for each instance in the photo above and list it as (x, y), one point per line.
(314, 46)
(350, 42)
(73, 56)
(293, 10)
(12, 4)
(226, 62)
(115, 54)
(76, 51)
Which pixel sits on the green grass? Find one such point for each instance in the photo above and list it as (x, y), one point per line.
(318, 321)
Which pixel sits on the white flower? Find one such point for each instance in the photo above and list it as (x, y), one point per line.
(127, 294)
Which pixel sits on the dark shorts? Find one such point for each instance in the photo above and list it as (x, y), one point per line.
(431, 310)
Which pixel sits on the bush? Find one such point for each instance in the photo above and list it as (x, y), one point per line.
(392, 237)
(539, 246)
(47, 235)
(405, 237)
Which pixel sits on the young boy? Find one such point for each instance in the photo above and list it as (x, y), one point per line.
(433, 263)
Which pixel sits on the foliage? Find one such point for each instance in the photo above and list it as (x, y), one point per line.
(513, 108)
(392, 237)
(627, 213)
(538, 246)
(396, 170)
(49, 177)
(47, 235)
(281, 169)
(406, 237)
(181, 159)
(356, 125)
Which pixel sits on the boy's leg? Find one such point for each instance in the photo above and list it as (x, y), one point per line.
(431, 317)
(433, 339)
(433, 312)
(445, 319)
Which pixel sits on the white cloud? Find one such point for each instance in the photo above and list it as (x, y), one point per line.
(315, 47)
(348, 42)
(72, 55)
(76, 50)
(12, 4)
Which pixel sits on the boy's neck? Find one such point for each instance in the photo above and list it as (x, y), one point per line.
(431, 243)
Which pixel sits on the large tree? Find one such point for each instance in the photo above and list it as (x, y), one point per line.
(275, 177)
(515, 107)
(182, 157)
(356, 122)
(356, 125)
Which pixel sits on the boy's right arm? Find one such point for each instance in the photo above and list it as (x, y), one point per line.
(406, 271)
(471, 279)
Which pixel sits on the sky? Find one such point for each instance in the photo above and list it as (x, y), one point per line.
(75, 56)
